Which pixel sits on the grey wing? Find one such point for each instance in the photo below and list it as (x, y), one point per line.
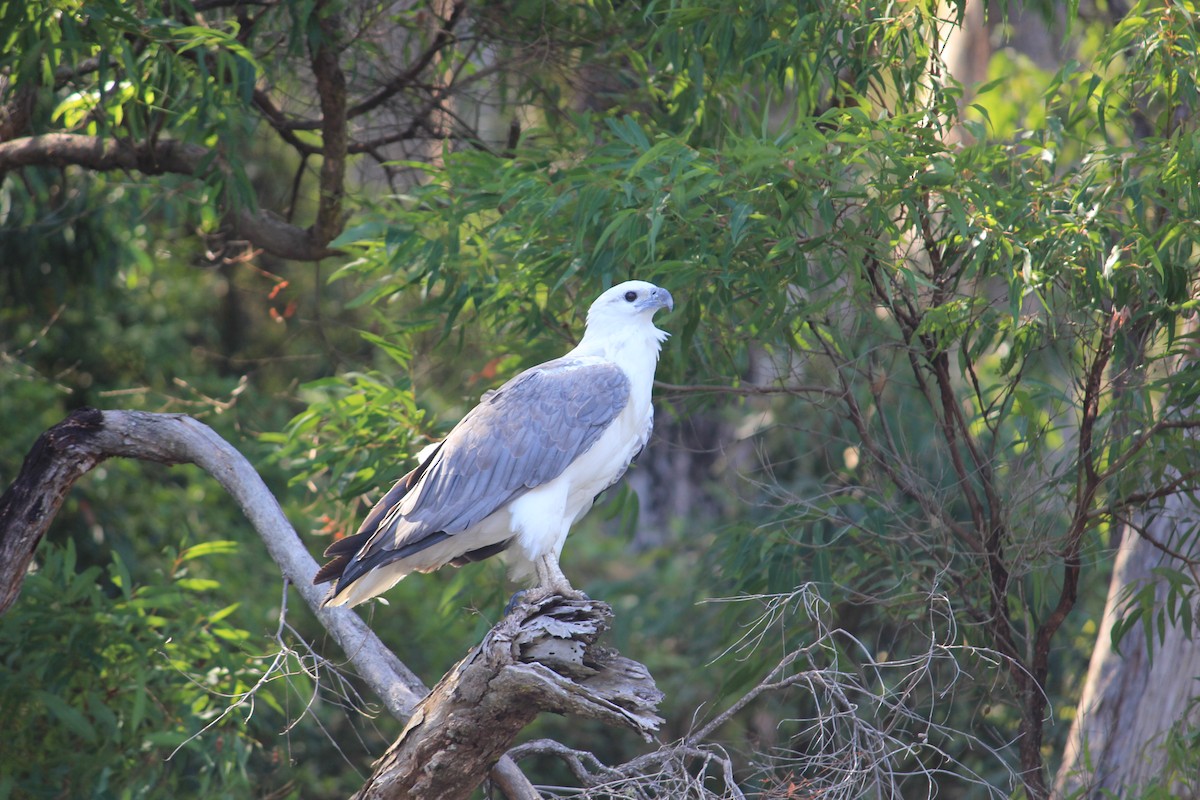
(520, 436)
(345, 553)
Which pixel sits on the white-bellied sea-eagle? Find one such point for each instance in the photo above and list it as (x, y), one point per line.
(523, 466)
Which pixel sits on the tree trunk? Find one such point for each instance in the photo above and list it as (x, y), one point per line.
(1130, 701)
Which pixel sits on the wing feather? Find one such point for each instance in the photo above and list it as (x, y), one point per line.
(531, 421)
(519, 437)
(343, 551)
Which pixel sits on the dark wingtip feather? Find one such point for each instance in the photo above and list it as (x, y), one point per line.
(332, 570)
(343, 551)
(346, 546)
(340, 552)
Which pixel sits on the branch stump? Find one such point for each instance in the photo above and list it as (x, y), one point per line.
(543, 656)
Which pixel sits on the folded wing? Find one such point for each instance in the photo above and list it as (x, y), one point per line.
(519, 437)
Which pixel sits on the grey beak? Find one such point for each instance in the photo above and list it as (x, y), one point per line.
(659, 298)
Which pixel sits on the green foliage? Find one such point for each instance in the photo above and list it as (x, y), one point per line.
(120, 677)
(960, 303)
(127, 71)
(1169, 601)
(948, 329)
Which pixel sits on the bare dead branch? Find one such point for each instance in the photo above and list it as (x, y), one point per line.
(277, 120)
(583, 765)
(867, 730)
(399, 82)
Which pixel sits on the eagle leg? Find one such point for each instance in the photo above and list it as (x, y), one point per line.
(551, 578)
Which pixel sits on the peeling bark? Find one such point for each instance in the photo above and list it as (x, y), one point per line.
(542, 656)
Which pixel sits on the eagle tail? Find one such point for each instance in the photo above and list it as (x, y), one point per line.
(340, 552)
(344, 550)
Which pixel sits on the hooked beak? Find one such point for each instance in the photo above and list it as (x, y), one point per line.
(658, 298)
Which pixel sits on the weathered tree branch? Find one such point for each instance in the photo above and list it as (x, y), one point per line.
(541, 657)
(87, 437)
(159, 157)
(98, 153)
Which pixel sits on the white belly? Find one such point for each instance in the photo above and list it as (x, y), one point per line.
(542, 517)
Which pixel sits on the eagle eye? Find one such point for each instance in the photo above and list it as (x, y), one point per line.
(630, 296)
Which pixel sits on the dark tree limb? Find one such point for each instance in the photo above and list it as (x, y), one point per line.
(542, 656)
(277, 120)
(16, 112)
(166, 156)
(397, 83)
(409, 76)
(331, 91)
(87, 437)
(56, 460)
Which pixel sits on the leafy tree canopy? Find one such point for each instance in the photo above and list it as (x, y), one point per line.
(931, 341)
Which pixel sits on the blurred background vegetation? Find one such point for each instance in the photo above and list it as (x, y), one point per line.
(930, 362)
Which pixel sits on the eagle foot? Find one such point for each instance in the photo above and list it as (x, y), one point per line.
(540, 593)
(551, 580)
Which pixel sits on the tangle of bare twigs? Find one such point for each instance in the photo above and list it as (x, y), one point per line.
(853, 722)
